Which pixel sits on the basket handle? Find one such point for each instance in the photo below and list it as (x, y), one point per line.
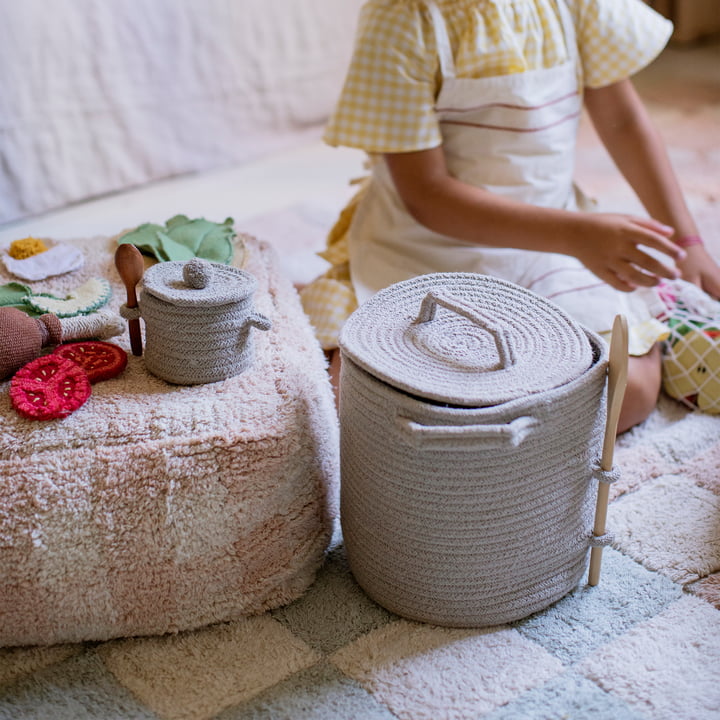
(456, 437)
(256, 320)
(428, 307)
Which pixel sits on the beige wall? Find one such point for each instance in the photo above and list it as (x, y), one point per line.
(693, 19)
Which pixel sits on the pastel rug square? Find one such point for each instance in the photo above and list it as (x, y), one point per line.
(704, 469)
(194, 676)
(708, 589)
(567, 696)
(666, 668)
(18, 662)
(592, 616)
(321, 692)
(334, 610)
(682, 441)
(80, 688)
(637, 464)
(670, 525)
(424, 671)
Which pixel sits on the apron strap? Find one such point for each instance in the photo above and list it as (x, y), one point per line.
(568, 26)
(442, 40)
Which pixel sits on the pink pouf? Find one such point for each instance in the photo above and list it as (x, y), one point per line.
(156, 508)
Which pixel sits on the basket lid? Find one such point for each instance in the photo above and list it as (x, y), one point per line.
(198, 282)
(465, 339)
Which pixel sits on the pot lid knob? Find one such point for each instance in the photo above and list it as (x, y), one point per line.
(197, 273)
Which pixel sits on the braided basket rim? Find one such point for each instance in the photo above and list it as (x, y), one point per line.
(549, 348)
(228, 285)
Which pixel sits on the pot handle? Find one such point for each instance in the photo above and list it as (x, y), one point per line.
(255, 320)
(428, 308)
(466, 437)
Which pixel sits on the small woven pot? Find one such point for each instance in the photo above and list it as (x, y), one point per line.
(198, 316)
(471, 419)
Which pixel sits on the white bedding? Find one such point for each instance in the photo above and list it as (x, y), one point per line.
(101, 96)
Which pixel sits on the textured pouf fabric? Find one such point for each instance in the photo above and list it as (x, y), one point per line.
(156, 508)
(468, 441)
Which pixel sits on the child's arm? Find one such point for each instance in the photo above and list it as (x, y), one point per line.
(607, 244)
(626, 131)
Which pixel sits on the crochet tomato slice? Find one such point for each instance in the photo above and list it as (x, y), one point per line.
(100, 360)
(49, 387)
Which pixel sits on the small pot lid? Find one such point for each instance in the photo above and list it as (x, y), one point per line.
(198, 282)
(466, 339)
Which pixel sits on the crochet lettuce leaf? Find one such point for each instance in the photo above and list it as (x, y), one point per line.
(182, 239)
(14, 294)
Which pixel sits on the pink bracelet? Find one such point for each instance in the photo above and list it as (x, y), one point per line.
(689, 241)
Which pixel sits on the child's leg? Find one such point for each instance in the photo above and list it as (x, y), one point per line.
(643, 388)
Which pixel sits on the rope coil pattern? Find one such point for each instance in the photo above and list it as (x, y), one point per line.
(198, 319)
(606, 476)
(465, 339)
(483, 524)
(601, 540)
(128, 313)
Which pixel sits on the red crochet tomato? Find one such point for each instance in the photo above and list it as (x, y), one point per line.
(49, 387)
(100, 360)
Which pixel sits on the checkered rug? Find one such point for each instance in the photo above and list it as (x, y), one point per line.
(644, 643)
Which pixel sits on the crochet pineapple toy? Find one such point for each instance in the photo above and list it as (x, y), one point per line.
(691, 353)
(691, 366)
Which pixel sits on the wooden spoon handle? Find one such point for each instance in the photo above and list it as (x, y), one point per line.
(617, 380)
(135, 336)
(130, 266)
(134, 324)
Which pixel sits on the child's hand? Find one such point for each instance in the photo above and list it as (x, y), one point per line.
(610, 246)
(701, 269)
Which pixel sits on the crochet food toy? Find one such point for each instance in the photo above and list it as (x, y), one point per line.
(100, 360)
(88, 297)
(33, 259)
(691, 353)
(49, 387)
(22, 338)
(26, 247)
(182, 239)
(54, 385)
(691, 366)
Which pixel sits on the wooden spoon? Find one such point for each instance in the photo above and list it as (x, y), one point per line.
(131, 267)
(617, 381)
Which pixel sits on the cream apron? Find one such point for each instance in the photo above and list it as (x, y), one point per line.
(513, 135)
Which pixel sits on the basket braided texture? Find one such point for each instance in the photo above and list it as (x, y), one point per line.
(466, 516)
(199, 317)
(478, 340)
(215, 342)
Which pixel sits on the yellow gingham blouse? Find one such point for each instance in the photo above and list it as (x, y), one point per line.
(387, 101)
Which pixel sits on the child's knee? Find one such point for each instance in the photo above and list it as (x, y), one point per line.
(643, 388)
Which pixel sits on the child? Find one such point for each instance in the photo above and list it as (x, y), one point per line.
(469, 111)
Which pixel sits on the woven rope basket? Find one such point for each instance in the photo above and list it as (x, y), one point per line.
(471, 418)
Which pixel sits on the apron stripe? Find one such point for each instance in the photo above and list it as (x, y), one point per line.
(575, 289)
(509, 106)
(554, 271)
(465, 123)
